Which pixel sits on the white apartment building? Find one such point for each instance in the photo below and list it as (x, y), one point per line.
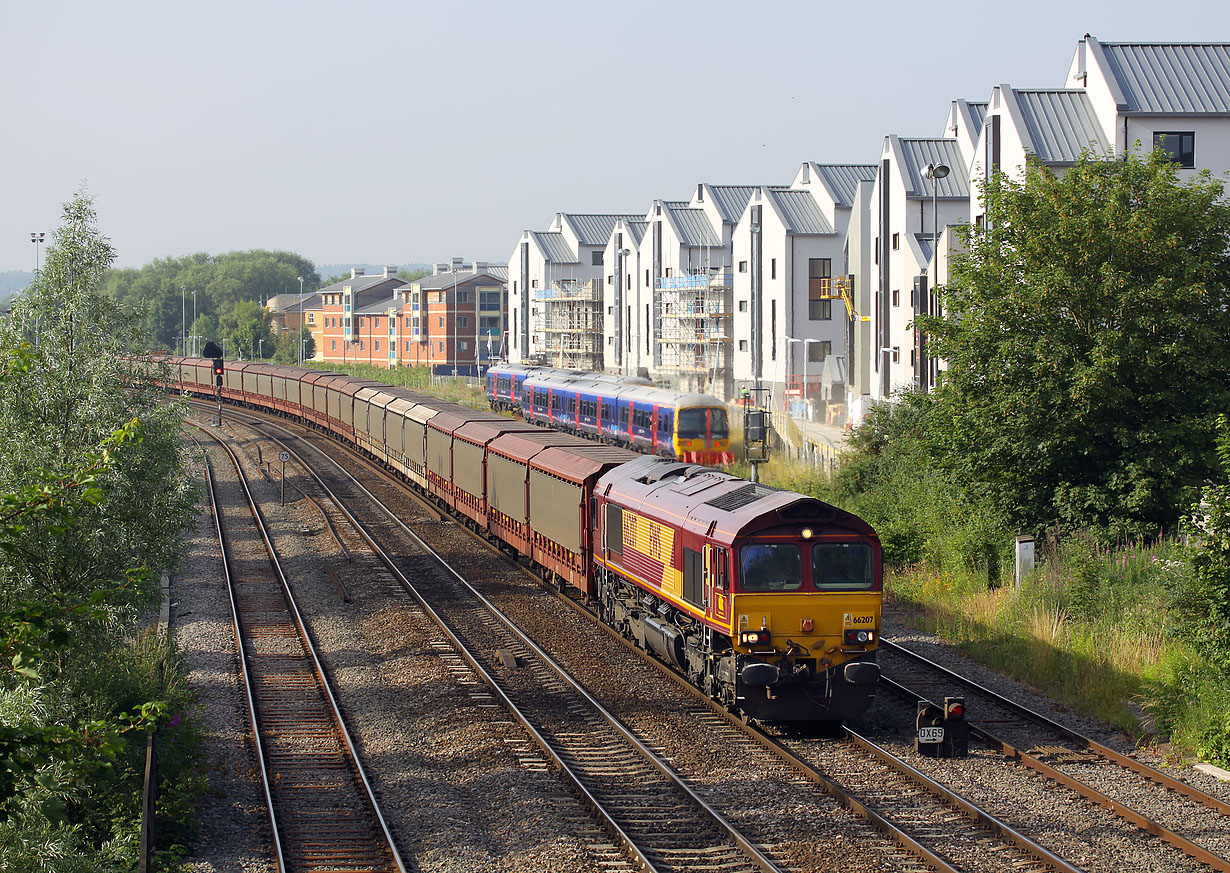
(1142, 91)
(789, 255)
(909, 210)
(554, 275)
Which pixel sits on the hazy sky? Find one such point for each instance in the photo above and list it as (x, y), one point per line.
(395, 132)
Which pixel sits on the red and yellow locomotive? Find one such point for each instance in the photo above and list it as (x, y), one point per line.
(767, 599)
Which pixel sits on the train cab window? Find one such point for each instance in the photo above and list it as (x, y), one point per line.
(842, 567)
(771, 567)
(614, 528)
(698, 422)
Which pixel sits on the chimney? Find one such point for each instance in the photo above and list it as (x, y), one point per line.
(356, 272)
(390, 272)
(480, 266)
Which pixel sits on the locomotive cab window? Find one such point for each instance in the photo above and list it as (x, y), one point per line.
(842, 567)
(771, 567)
(697, 422)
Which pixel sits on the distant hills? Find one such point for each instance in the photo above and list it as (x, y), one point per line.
(12, 281)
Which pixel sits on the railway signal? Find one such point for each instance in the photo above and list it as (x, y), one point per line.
(942, 731)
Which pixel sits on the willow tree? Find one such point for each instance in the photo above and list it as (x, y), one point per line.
(87, 519)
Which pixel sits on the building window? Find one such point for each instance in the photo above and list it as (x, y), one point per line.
(441, 321)
(742, 266)
(596, 259)
(335, 345)
(533, 283)
(817, 352)
(896, 297)
(646, 278)
(896, 354)
(743, 345)
(311, 318)
(407, 345)
(773, 268)
(819, 289)
(896, 242)
(463, 321)
(1179, 145)
(463, 346)
(375, 345)
(441, 346)
(743, 306)
(773, 330)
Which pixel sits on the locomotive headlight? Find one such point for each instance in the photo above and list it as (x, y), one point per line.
(754, 638)
(806, 533)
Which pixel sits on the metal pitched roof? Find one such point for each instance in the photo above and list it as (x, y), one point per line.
(1174, 78)
(594, 229)
(361, 283)
(799, 211)
(978, 112)
(636, 229)
(694, 227)
(731, 200)
(917, 153)
(1061, 124)
(554, 247)
(448, 280)
(842, 179)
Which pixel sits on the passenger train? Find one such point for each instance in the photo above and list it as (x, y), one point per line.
(766, 599)
(617, 410)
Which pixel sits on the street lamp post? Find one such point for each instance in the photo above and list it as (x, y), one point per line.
(934, 172)
(301, 321)
(194, 350)
(183, 321)
(260, 344)
(806, 342)
(37, 237)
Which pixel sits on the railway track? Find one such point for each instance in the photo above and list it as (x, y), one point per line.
(1192, 821)
(322, 812)
(940, 829)
(648, 810)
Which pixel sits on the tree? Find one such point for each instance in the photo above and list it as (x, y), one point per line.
(247, 331)
(93, 501)
(1085, 334)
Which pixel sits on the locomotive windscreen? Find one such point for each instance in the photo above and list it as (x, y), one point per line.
(697, 422)
(771, 567)
(842, 567)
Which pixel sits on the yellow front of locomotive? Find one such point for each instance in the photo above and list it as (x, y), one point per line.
(805, 621)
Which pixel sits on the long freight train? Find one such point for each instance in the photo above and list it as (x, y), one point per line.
(617, 410)
(768, 600)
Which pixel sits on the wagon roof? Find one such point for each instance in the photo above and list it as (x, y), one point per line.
(576, 464)
(318, 376)
(523, 445)
(351, 386)
(483, 432)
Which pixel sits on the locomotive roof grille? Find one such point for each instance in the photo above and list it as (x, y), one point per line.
(740, 497)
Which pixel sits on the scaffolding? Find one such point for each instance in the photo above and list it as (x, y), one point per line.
(569, 324)
(695, 340)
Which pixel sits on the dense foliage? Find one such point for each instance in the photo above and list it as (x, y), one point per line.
(230, 293)
(1085, 334)
(93, 499)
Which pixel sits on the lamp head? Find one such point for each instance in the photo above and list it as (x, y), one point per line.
(937, 171)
